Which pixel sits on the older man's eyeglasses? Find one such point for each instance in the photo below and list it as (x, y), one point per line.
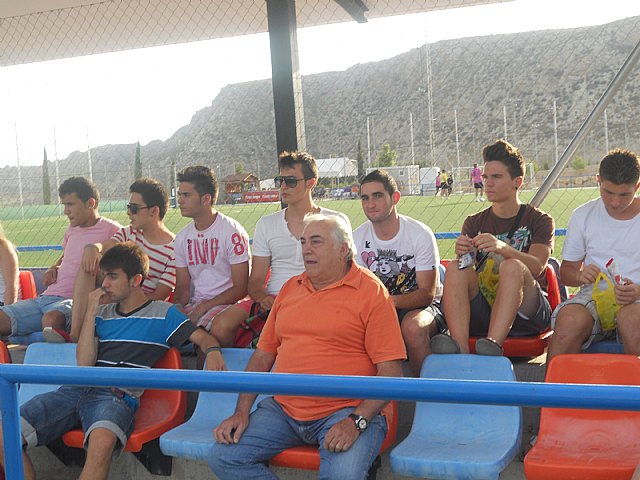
(289, 180)
(133, 208)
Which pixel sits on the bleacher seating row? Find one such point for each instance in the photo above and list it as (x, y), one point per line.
(446, 440)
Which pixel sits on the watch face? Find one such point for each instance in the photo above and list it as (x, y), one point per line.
(361, 424)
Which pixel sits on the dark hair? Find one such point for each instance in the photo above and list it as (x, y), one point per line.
(84, 188)
(203, 179)
(127, 256)
(382, 176)
(306, 160)
(621, 167)
(153, 193)
(510, 156)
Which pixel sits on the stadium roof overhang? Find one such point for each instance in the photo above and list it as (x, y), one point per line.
(40, 30)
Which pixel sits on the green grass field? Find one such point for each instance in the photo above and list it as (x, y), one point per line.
(44, 225)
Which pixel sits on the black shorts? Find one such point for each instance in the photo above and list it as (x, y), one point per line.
(478, 185)
(522, 327)
(434, 309)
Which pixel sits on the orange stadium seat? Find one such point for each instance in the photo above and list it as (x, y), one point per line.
(584, 444)
(27, 285)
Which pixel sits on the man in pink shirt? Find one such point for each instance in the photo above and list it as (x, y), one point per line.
(476, 181)
(80, 198)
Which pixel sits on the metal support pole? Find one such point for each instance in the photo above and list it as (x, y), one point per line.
(588, 125)
(13, 467)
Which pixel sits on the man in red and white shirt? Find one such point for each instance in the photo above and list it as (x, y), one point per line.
(212, 257)
(146, 209)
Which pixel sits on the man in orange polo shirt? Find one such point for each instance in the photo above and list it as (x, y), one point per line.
(336, 318)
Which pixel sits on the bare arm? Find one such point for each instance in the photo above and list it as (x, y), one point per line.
(87, 350)
(161, 292)
(51, 275)
(231, 429)
(420, 297)
(575, 274)
(183, 286)
(341, 436)
(92, 253)
(213, 360)
(535, 260)
(239, 278)
(257, 279)
(10, 273)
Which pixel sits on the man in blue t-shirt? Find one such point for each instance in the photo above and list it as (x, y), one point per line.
(131, 331)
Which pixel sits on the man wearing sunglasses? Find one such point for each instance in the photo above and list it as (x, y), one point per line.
(212, 257)
(276, 247)
(148, 204)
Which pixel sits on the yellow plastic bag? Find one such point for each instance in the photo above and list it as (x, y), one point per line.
(488, 281)
(605, 300)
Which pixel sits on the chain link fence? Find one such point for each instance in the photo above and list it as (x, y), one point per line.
(430, 107)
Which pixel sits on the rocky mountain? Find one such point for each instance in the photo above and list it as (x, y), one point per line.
(488, 84)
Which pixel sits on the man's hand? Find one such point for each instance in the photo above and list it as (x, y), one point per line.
(50, 276)
(463, 245)
(488, 243)
(90, 259)
(266, 302)
(94, 299)
(588, 274)
(627, 293)
(341, 436)
(197, 312)
(231, 429)
(215, 362)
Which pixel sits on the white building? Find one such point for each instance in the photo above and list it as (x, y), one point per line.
(337, 167)
(407, 177)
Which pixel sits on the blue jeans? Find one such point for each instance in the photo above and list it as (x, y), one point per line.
(271, 431)
(47, 417)
(26, 315)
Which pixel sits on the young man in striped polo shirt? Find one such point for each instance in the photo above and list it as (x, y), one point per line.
(146, 209)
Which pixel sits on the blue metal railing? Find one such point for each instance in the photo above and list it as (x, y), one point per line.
(439, 236)
(530, 394)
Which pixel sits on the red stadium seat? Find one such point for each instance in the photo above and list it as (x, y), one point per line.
(585, 444)
(307, 457)
(27, 285)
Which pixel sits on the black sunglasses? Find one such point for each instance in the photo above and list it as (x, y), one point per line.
(289, 180)
(133, 208)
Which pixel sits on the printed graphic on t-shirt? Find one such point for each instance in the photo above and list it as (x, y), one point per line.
(397, 272)
(203, 250)
(521, 238)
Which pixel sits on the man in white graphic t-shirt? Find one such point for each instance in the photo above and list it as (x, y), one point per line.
(403, 253)
(212, 256)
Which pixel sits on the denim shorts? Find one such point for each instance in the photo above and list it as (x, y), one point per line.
(47, 417)
(26, 315)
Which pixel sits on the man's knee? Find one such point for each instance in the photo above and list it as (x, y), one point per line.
(514, 270)
(416, 324)
(54, 318)
(628, 320)
(102, 441)
(573, 321)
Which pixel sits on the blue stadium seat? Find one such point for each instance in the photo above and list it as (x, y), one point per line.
(606, 346)
(45, 354)
(194, 439)
(455, 441)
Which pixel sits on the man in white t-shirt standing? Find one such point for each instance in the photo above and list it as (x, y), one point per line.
(212, 256)
(605, 228)
(80, 198)
(148, 204)
(276, 250)
(404, 255)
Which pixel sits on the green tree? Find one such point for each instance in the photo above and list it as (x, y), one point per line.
(46, 186)
(138, 166)
(545, 165)
(578, 163)
(239, 168)
(387, 156)
(360, 160)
